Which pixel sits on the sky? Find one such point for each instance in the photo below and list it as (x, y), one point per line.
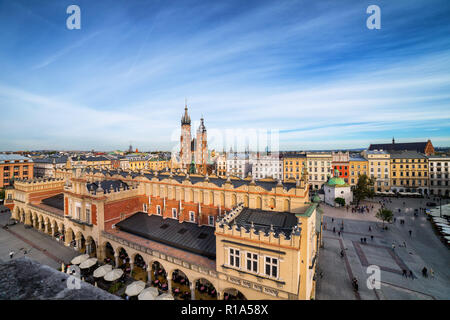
(310, 70)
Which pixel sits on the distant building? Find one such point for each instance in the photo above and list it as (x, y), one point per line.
(46, 167)
(409, 172)
(266, 166)
(319, 168)
(379, 168)
(420, 147)
(14, 166)
(439, 175)
(293, 165)
(358, 166)
(238, 164)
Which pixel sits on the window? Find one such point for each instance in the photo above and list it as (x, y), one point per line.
(271, 267)
(252, 262)
(174, 213)
(191, 216)
(88, 215)
(78, 212)
(145, 207)
(234, 257)
(211, 220)
(158, 210)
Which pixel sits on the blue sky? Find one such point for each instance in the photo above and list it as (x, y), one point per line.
(310, 69)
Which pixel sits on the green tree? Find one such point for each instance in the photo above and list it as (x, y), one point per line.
(340, 201)
(2, 193)
(363, 189)
(384, 215)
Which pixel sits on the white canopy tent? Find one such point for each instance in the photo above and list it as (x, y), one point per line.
(113, 275)
(80, 259)
(102, 271)
(135, 288)
(148, 294)
(88, 263)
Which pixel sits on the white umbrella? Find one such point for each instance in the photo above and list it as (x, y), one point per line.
(135, 288)
(165, 296)
(101, 271)
(148, 294)
(113, 275)
(80, 259)
(88, 263)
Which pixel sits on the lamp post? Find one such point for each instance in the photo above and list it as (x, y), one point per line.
(440, 206)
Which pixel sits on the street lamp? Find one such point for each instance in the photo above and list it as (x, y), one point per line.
(440, 206)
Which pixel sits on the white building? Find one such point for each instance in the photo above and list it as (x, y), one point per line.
(238, 165)
(266, 166)
(46, 167)
(319, 168)
(439, 175)
(336, 187)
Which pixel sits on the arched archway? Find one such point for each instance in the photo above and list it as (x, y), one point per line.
(180, 285)
(258, 203)
(124, 260)
(91, 247)
(139, 271)
(233, 200)
(287, 205)
(80, 242)
(70, 239)
(41, 226)
(109, 254)
(233, 294)
(159, 277)
(204, 290)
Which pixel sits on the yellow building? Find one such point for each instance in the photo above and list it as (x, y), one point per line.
(88, 162)
(379, 168)
(159, 164)
(293, 166)
(358, 166)
(409, 172)
(137, 163)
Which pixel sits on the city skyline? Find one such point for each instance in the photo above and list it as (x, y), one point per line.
(312, 71)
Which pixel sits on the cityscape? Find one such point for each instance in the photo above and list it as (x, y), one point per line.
(275, 181)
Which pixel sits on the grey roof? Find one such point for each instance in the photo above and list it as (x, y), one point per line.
(185, 236)
(62, 159)
(267, 185)
(55, 201)
(26, 279)
(282, 222)
(413, 146)
(13, 157)
(407, 155)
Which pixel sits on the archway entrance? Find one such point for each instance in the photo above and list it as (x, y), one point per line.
(204, 290)
(124, 261)
(159, 277)
(233, 294)
(109, 254)
(139, 271)
(180, 285)
(91, 247)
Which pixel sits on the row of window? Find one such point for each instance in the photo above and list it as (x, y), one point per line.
(271, 264)
(175, 214)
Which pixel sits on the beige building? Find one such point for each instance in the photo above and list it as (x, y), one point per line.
(379, 168)
(439, 175)
(409, 172)
(102, 213)
(319, 168)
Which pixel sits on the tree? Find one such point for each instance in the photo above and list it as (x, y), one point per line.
(2, 193)
(363, 189)
(384, 215)
(340, 201)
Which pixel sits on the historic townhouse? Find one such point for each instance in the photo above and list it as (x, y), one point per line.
(266, 166)
(358, 166)
(319, 168)
(169, 226)
(439, 175)
(238, 165)
(379, 165)
(340, 162)
(409, 172)
(293, 166)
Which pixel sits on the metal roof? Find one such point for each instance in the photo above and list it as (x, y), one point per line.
(55, 201)
(185, 236)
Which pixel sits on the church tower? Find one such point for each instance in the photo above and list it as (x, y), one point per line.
(201, 148)
(185, 139)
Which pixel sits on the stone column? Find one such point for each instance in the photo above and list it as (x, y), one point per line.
(116, 256)
(149, 274)
(219, 295)
(192, 286)
(169, 284)
(15, 214)
(67, 238)
(46, 228)
(53, 231)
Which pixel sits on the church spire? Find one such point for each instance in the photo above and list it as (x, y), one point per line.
(185, 119)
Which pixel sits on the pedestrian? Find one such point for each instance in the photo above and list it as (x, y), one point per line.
(431, 273)
(410, 233)
(404, 244)
(371, 238)
(361, 240)
(370, 229)
(339, 233)
(365, 240)
(332, 219)
(11, 254)
(334, 229)
(404, 273)
(425, 272)
(411, 274)
(393, 246)
(395, 219)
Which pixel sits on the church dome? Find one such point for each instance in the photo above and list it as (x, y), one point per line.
(316, 199)
(335, 181)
